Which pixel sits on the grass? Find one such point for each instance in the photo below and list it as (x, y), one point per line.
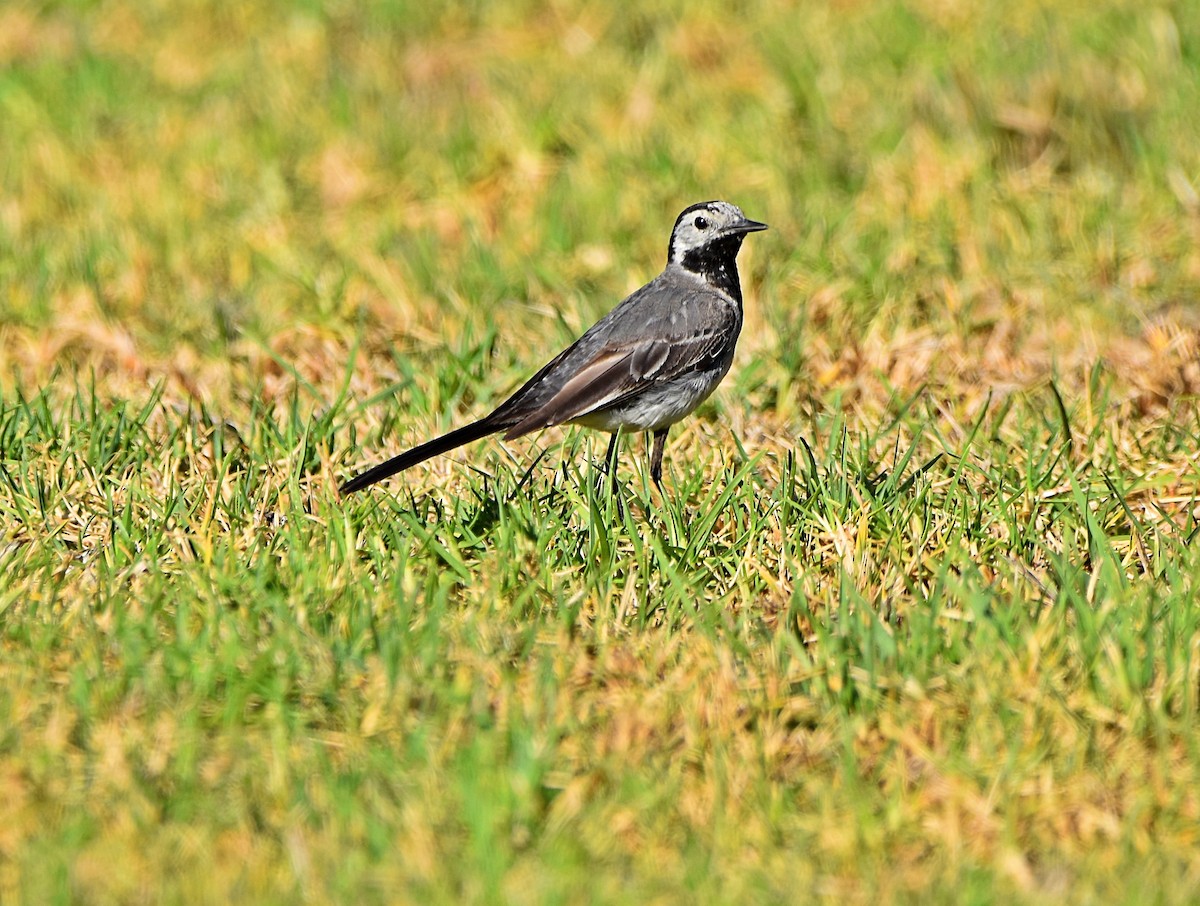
(915, 620)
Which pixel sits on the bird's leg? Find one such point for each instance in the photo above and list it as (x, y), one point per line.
(610, 466)
(610, 459)
(656, 455)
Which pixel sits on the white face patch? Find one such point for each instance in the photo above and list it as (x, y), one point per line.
(702, 225)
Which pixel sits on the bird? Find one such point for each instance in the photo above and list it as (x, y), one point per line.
(644, 366)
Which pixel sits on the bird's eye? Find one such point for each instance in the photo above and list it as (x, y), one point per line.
(701, 223)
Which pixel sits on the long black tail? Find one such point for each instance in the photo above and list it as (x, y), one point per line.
(431, 448)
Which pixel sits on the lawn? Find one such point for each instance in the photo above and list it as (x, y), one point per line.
(915, 618)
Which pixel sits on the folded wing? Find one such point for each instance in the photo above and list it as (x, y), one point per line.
(616, 376)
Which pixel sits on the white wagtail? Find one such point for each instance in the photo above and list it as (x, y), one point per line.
(643, 366)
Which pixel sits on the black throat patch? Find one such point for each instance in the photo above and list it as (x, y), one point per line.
(716, 262)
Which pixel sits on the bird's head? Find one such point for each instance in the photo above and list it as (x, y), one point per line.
(710, 229)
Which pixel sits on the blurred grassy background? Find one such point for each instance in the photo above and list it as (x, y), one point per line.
(190, 175)
(247, 248)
